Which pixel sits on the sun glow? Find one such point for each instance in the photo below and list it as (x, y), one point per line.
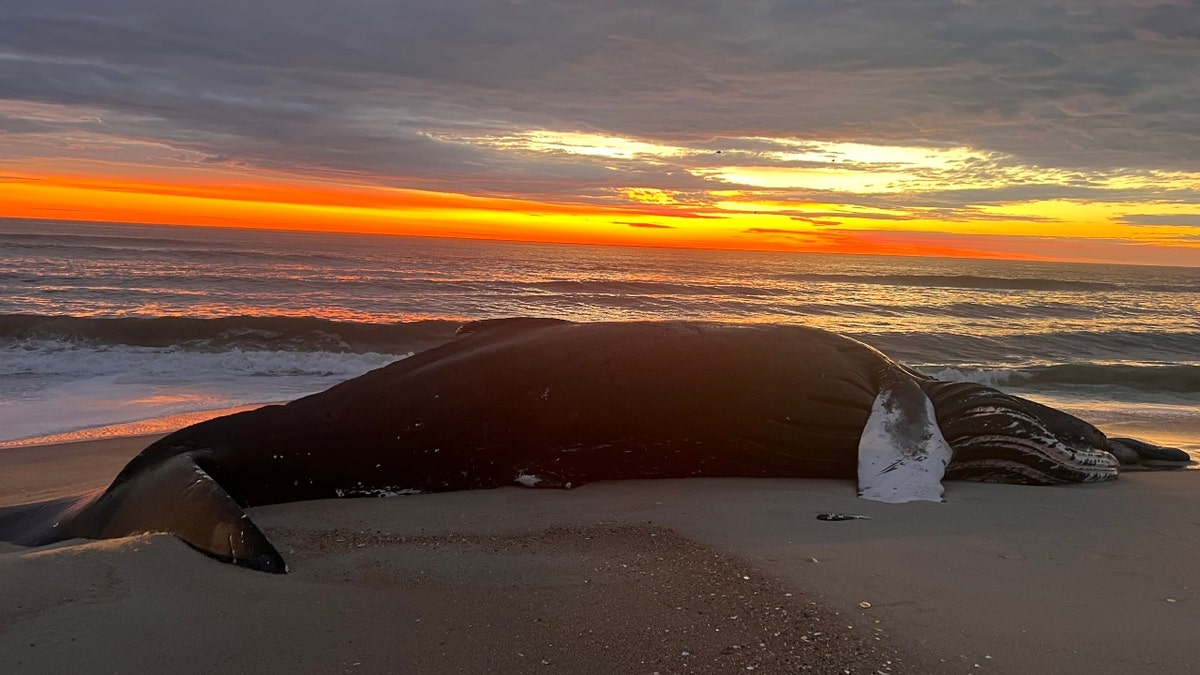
(755, 192)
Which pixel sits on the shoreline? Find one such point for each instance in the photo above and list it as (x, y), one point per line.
(160, 425)
(628, 574)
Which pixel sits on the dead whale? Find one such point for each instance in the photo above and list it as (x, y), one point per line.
(549, 403)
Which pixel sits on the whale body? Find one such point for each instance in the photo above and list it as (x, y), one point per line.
(548, 403)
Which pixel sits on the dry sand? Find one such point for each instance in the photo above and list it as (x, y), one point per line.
(697, 576)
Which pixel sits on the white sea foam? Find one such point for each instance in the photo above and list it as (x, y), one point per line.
(60, 358)
(989, 377)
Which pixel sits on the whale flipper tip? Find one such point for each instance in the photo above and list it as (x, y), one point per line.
(175, 496)
(1131, 451)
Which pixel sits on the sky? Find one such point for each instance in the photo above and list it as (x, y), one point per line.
(1025, 129)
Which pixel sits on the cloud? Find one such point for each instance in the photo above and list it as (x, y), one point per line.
(651, 226)
(1177, 219)
(815, 221)
(980, 103)
(774, 230)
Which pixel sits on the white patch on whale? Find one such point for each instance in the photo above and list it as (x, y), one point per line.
(902, 454)
(527, 479)
(377, 492)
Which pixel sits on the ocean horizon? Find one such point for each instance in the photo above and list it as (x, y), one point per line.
(108, 324)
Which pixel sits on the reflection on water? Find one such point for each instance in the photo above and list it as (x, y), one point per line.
(112, 271)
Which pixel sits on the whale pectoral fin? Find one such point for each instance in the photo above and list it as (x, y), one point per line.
(178, 497)
(902, 454)
(1145, 455)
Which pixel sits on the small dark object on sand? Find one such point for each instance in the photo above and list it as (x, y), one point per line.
(841, 516)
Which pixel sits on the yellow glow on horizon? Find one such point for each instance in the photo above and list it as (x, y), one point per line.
(753, 218)
(347, 209)
(841, 194)
(432, 214)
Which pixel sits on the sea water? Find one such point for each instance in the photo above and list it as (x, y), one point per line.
(110, 324)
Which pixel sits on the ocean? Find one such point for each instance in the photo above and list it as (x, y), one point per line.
(117, 329)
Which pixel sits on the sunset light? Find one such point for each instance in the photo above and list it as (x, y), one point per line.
(634, 148)
(834, 197)
(562, 336)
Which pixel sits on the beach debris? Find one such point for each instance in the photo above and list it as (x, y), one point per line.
(864, 604)
(841, 516)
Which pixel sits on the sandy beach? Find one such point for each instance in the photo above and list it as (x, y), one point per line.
(675, 576)
(608, 276)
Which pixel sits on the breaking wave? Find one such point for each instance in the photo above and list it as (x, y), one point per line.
(1181, 379)
(967, 281)
(290, 334)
